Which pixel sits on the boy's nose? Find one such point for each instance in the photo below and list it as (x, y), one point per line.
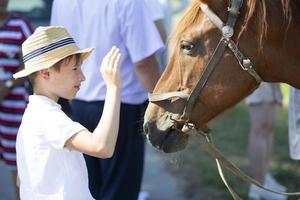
(82, 77)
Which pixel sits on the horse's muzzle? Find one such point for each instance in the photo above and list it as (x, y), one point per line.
(168, 140)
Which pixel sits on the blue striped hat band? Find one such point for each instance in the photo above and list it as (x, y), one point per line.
(48, 48)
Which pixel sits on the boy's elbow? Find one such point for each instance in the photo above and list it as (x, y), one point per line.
(109, 154)
(104, 152)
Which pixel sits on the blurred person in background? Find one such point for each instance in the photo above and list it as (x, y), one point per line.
(162, 12)
(263, 104)
(169, 10)
(158, 16)
(14, 29)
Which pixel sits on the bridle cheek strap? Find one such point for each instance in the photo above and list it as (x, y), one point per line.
(227, 32)
(225, 41)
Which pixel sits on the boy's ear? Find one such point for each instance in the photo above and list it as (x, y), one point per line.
(44, 73)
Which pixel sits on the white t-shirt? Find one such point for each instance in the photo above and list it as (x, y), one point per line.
(48, 170)
(127, 24)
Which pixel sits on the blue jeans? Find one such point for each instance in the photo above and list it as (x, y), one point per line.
(119, 177)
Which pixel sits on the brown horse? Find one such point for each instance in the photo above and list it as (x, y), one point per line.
(266, 31)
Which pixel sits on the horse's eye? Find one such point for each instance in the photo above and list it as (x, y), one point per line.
(186, 46)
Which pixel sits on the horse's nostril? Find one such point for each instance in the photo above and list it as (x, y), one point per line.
(146, 128)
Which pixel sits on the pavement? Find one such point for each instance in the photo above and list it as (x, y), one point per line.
(157, 182)
(6, 183)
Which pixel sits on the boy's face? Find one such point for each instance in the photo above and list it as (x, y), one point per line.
(66, 81)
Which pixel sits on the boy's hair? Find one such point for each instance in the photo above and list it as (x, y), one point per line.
(57, 66)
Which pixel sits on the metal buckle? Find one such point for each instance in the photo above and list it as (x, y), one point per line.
(227, 32)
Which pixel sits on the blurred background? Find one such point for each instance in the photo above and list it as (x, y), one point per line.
(38, 11)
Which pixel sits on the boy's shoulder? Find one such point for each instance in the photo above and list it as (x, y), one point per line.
(42, 108)
(40, 117)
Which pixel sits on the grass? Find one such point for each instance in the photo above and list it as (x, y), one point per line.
(230, 133)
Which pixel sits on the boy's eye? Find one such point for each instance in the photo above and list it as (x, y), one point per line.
(75, 68)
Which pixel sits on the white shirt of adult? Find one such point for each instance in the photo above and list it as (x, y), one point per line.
(156, 9)
(61, 16)
(48, 170)
(126, 24)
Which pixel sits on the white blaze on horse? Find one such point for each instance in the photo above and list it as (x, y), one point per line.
(219, 57)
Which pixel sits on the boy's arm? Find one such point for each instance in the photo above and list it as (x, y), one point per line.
(101, 143)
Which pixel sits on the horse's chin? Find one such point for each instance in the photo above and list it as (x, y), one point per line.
(168, 141)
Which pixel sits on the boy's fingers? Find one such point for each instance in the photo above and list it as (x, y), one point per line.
(115, 60)
(115, 53)
(110, 56)
(116, 63)
(110, 53)
(114, 57)
(114, 50)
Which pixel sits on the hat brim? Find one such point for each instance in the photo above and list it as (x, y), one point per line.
(27, 71)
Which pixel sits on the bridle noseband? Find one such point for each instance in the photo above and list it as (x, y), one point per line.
(225, 41)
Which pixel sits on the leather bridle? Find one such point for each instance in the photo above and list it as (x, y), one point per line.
(226, 41)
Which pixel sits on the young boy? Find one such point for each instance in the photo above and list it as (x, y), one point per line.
(49, 144)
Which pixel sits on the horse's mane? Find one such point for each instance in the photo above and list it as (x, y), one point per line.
(253, 8)
(191, 17)
(260, 6)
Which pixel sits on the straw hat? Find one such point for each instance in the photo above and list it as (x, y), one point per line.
(45, 47)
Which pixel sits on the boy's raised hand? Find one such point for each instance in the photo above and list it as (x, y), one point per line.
(110, 68)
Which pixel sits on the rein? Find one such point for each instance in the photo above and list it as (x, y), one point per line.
(245, 63)
(206, 142)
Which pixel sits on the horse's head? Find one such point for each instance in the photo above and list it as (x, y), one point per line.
(194, 42)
